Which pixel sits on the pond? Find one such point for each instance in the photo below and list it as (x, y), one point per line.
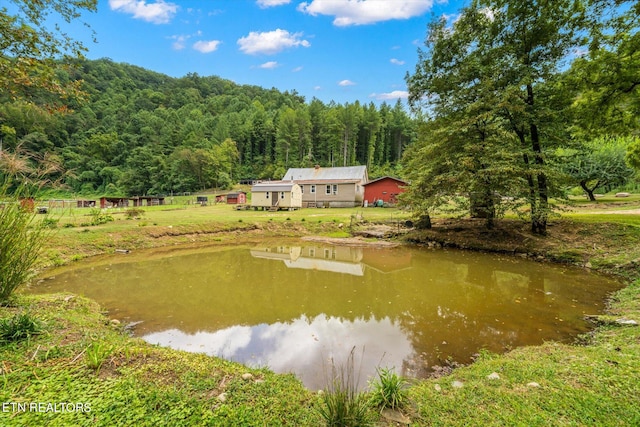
(300, 306)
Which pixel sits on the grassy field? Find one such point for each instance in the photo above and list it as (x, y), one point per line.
(77, 355)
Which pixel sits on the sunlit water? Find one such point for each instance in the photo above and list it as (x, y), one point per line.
(295, 307)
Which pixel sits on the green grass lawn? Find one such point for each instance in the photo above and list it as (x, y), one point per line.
(80, 357)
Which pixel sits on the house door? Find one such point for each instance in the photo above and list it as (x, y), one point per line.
(274, 198)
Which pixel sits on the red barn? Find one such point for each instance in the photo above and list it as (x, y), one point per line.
(239, 198)
(385, 189)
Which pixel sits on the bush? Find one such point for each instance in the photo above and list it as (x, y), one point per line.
(18, 328)
(389, 390)
(134, 213)
(21, 239)
(98, 217)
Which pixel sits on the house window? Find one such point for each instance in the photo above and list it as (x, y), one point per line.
(328, 190)
(282, 194)
(335, 189)
(267, 194)
(313, 188)
(302, 189)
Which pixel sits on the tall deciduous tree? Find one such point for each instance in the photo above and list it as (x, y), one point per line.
(498, 65)
(30, 48)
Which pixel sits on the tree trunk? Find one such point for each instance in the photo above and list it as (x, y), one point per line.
(538, 221)
(583, 185)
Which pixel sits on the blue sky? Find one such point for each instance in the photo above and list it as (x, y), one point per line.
(341, 50)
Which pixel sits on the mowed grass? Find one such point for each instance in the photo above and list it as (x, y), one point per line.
(591, 382)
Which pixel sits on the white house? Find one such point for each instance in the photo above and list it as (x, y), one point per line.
(330, 187)
(276, 195)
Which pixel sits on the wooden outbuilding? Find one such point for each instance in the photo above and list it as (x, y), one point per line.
(276, 195)
(238, 198)
(147, 201)
(113, 202)
(383, 190)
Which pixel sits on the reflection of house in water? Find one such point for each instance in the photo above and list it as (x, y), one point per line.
(385, 260)
(337, 259)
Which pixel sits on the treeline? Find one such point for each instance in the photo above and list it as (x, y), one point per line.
(138, 132)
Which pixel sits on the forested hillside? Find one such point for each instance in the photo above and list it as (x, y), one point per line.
(139, 132)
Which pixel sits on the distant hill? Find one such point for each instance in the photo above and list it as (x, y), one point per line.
(141, 132)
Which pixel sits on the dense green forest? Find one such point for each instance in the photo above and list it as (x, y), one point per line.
(138, 132)
(525, 99)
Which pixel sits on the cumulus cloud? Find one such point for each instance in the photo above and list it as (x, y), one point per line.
(158, 12)
(346, 83)
(270, 3)
(270, 42)
(269, 65)
(206, 46)
(396, 61)
(361, 12)
(396, 94)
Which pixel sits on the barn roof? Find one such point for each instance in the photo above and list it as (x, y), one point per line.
(388, 177)
(348, 173)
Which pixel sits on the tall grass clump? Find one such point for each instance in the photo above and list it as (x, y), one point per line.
(343, 405)
(21, 237)
(21, 234)
(389, 390)
(19, 327)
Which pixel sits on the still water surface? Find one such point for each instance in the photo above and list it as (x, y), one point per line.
(294, 307)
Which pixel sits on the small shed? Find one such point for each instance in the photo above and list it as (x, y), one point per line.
(239, 198)
(86, 203)
(276, 195)
(385, 189)
(147, 201)
(114, 202)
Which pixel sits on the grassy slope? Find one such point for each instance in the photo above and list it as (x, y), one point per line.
(138, 384)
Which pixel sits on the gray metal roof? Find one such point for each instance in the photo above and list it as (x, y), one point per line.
(348, 173)
(273, 186)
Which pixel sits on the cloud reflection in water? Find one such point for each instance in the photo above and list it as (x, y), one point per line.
(304, 346)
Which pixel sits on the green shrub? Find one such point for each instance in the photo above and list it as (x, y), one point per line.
(134, 213)
(50, 223)
(96, 354)
(21, 238)
(19, 327)
(99, 217)
(389, 390)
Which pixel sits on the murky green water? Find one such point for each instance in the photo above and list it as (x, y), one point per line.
(293, 307)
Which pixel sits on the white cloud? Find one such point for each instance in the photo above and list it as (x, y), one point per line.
(270, 3)
(396, 61)
(295, 70)
(269, 65)
(179, 41)
(396, 94)
(159, 12)
(360, 12)
(206, 46)
(346, 83)
(270, 42)
(317, 87)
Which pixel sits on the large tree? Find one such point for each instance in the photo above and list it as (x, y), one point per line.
(599, 164)
(497, 67)
(31, 49)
